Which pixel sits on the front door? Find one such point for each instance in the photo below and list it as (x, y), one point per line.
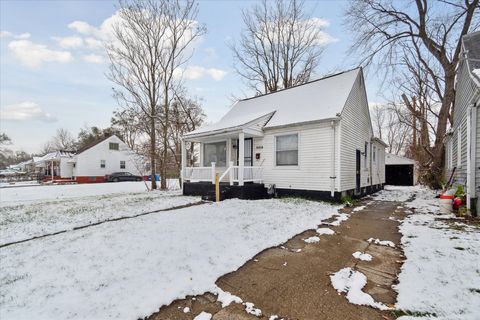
(248, 153)
(357, 172)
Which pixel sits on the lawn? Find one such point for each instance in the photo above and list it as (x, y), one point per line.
(127, 269)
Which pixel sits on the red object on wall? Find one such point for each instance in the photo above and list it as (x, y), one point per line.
(89, 179)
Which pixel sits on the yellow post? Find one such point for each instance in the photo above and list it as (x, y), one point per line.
(217, 188)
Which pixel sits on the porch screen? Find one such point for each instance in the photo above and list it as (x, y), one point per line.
(287, 150)
(215, 152)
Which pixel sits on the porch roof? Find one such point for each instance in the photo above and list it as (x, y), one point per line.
(249, 123)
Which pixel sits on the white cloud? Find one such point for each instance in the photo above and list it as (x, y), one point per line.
(5, 34)
(22, 36)
(69, 42)
(25, 111)
(93, 43)
(197, 72)
(8, 34)
(216, 74)
(33, 55)
(324, 39)
(82, 27)
(93, 58)
(320, 23)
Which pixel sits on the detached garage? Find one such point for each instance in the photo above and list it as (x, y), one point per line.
(399, 171)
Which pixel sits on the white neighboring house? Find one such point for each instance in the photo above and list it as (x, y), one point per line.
(462, 144)
(314, 140)
(91, 163)
(54, 165)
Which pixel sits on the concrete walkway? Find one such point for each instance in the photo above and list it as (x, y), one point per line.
(293, 280)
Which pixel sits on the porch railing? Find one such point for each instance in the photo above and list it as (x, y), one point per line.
(250, 174)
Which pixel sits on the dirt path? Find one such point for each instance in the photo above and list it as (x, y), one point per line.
(293, 280)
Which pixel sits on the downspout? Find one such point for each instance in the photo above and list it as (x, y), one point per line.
(471, 174)
(332, 163)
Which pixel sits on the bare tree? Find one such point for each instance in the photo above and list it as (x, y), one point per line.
(280, 46)
(131, 125)
(149, 46)
(389, 128)
(63, 140)
(431, 31)
(183, 30)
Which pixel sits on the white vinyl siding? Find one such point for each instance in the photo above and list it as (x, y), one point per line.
(88, 162)
(355, 130)
(314, 158)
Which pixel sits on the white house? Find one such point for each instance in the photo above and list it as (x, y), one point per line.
(54, 165)
(103, 157)
(314, 140)
(400, 171)
(462, 145)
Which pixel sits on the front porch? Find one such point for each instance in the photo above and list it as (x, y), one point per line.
(227, 156)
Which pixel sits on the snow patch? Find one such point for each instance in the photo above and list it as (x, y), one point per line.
(362, 256)
(358, 208)
(351, 282)
(226, 298)
(340, 218)
(186, 310)
(386, 243)
(250, 309)
(203, 316)
(312, 239)
(327, 231)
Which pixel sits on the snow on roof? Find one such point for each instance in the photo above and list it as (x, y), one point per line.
(316, 100)
(471, 46)
(395, 159)
(233, 122)
(54, 155)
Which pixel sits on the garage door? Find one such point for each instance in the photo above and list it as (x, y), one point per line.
(399, 175)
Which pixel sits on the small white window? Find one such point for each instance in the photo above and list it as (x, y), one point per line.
(122, 165)
(459, 149)
(286, 149)
(102, 163)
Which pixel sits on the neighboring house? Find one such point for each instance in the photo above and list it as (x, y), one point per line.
(400, 171)
(103, 157)
(54, 165)
(462, 156)
(313, 140)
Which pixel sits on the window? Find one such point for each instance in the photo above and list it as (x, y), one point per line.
(286, 148)
(113, 146)
(374, 155)
(215, 152)
(122, 165)
(102, 163)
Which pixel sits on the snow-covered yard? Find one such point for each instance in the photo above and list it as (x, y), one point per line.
(23, 215)
(127, 269)
(440, 278)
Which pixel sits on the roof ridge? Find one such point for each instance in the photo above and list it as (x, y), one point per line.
(302, 84)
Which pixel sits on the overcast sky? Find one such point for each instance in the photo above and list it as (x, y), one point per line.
(53, 65)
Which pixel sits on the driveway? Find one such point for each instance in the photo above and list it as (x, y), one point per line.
(293, 280)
